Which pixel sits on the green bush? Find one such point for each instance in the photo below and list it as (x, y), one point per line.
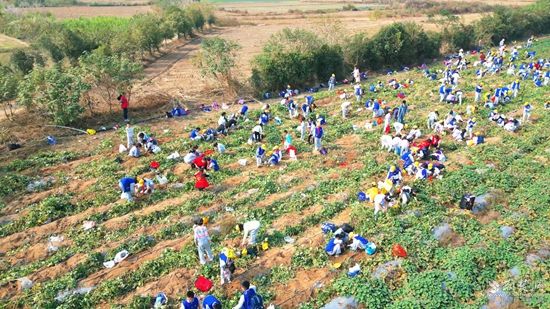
(295, 57)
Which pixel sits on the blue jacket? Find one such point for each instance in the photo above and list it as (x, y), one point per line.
(244, 109)
(260, 152)
(264, 118)
(442, 89)
(479, 89)
(309, 99)
(330, 245)
(209, 301)
(192, 305)
(407, 158)
(214, 165)
(248, 294)
(126, 183)
(319, 132)
(194, 133)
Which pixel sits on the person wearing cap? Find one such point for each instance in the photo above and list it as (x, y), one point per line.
(394, 174)
(358, 92)
(331, 82)
(515, 87)
(433, 170)
(422, 172)
(145, 186)
(476, 140)
(250, 231)
(478, 90)
(372, 192)
(526, 112)
(260, 154)
(470, 126)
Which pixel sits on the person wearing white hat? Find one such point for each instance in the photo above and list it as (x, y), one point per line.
(331, 82)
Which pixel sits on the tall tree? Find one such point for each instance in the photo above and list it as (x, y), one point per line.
(216, 59)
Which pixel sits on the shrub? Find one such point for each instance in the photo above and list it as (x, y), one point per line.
(296, 57)
(404, 43)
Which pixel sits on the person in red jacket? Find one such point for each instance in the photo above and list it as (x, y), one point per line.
(124, 105)
(201, 182)
(201, 162)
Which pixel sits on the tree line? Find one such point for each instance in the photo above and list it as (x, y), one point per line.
(300, 57)
(69, 59)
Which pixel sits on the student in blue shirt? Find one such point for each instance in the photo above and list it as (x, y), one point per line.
(442, 93)
(244, 110)
(211, 302)
(191, 302)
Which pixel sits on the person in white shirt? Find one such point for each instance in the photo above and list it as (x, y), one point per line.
(345, 108)
(250, 231)
(202, 240)
(432, 119)
(135, 151)
(357, 75)
(129, 135)
(414, 133)
(257, 132)
(398, 126)
(380, 203)
(222, 120)
(219, 147)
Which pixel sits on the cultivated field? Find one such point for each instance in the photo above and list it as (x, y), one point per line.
(456, 258)
(290, 200)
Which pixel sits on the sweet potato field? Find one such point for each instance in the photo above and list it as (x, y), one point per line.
(48, 260)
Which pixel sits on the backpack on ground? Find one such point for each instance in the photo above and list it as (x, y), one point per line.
(328, 227)
(346, 228)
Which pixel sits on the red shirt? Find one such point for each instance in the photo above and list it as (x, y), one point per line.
(123, 102)
(199, 162)
(482, 57)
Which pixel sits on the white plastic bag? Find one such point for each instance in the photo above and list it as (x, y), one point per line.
(122, 148)
(161, 179)
(173, 156)
(292, 154)
(121, 256)
(243, 162)
(109, 264)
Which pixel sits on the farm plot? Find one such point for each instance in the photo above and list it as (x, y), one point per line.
(291, 199)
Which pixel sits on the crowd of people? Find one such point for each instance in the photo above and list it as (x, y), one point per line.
(418, 152)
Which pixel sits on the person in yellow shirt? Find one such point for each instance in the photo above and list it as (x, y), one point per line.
(372, 192)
